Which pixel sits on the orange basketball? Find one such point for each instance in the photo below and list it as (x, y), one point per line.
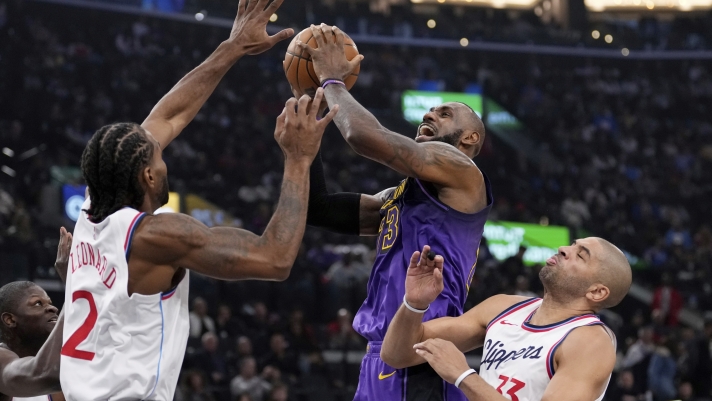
(299, 68)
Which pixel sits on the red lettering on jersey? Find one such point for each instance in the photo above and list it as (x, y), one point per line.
(109, 282)
(92, 257)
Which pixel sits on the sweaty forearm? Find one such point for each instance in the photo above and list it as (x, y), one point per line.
(405, 330)
(37, 375)
(285, 230)
(180, 105)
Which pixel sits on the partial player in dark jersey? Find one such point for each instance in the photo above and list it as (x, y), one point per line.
(443, 202)
(31, 334)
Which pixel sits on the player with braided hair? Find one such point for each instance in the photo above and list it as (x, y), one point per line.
(111, 162)
(126, 305)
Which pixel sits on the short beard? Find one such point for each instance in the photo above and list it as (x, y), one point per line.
(562, 288)
(452, 138)
(163, 195)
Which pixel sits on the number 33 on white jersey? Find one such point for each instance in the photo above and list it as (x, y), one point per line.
(118, 347)
(518, 357)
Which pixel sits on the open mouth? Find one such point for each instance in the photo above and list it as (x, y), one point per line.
(425, 131)
(53, 320)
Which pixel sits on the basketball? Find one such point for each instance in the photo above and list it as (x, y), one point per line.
(299, 68)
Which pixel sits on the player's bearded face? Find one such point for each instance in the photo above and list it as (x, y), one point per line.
(561, 281)
(453, 138)
(163, 192)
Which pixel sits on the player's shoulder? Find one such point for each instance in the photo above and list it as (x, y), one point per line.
(444, 153)
(503, 301)
(6, 355)
(594, 341)
(493, 306)
(170, 229)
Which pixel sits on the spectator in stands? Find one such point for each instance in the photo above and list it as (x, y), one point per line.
(661, 374)
(280, 357)
(227, 327)
(667, 300)
(625, 388)
(248, 382)
(638, 356)
(347, 280)
(259, 326)
(211, 361)
(279, 392)
(302, 341)
(193, 388)
(514, 265)
(342, 335)
(200, 322)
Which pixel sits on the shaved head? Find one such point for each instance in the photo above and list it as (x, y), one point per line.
(614, 272)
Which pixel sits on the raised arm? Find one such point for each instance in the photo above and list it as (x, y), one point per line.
(33, 375)
(434, 162)
(233, 254)
(38, 375)
(423, 285)
(248, 36)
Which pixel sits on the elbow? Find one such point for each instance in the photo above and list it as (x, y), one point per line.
(281, 274)
(392, 360)
(281, 269)
(355, 140)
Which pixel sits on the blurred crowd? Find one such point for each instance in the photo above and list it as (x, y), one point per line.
(537, 25)
(622, 150)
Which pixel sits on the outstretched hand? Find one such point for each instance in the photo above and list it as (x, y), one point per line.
(63, 249)
(249, 31)
(424, 279)
(298, 131)
(329, 58)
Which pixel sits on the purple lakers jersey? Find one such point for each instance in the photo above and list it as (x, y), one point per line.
(411, 218)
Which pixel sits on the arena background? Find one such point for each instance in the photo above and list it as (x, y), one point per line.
(598, 114)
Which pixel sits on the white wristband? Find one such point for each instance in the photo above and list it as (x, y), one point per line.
(412, 308)
(463, 376)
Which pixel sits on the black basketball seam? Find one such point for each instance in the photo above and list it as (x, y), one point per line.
(290, 64)
(316, 81)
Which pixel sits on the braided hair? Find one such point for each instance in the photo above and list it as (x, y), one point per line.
(111, 161)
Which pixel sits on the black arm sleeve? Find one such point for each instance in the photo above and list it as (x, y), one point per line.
(334, 212)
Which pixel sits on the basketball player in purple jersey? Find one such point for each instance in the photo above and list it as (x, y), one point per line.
(31, 334)
(444, 202)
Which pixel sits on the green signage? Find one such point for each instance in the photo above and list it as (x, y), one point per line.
(504, 238)
(417, 103)
(497, 116)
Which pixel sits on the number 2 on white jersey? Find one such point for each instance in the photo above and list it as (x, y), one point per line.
(70, 347)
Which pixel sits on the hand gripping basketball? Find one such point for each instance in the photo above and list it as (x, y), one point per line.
(328, 57)
(424, 279)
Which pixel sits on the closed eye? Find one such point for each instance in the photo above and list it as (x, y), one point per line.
(579, 255)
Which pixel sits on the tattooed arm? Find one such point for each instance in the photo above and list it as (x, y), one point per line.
(248, 36)
(166, 242)
(231, 253)
(434, 162)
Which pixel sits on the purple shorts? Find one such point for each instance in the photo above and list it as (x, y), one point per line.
(378, 381)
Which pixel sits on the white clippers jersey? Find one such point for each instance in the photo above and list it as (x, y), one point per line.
(118, 347)
(518, 357)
